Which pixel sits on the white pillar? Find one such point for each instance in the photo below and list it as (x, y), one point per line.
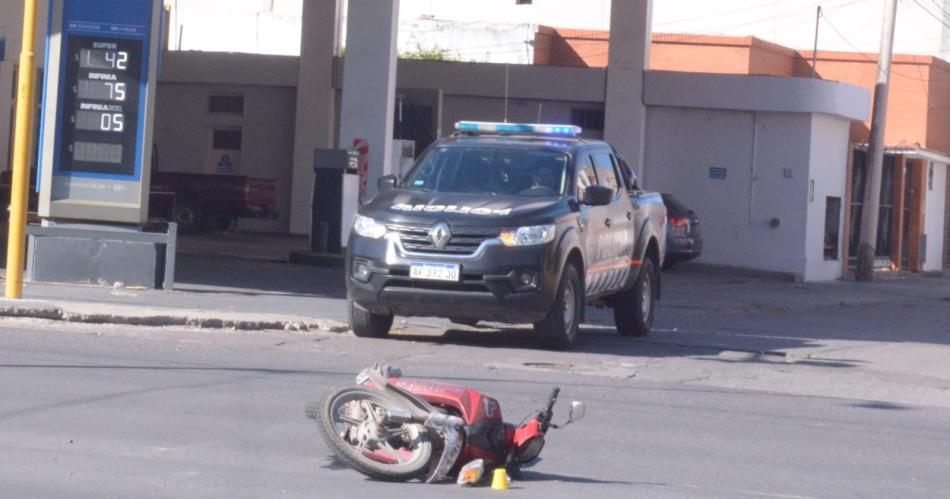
(316, 102)
(369, 82)
(629, 57)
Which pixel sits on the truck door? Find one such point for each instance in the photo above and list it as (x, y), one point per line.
(618, 236)
(592, 224)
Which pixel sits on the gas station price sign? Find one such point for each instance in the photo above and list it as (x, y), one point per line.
(102, 60)
(102, 78)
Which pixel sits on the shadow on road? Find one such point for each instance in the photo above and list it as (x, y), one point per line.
(216, 274)
(601, 340)
(537, 476)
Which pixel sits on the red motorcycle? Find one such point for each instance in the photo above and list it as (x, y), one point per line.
(396, 429)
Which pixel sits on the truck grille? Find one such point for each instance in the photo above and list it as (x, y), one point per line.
(464, 240)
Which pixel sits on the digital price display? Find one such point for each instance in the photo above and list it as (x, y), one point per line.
(101, 103)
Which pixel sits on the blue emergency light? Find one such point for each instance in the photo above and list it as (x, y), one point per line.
(482, 127)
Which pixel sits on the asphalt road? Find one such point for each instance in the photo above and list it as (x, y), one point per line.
(98, 411)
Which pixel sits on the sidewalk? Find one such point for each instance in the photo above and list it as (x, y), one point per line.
(211, 291)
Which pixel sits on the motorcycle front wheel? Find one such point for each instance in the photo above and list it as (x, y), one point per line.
(353, 423)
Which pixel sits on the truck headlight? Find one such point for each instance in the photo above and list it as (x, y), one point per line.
(367, 227)
(528, 236)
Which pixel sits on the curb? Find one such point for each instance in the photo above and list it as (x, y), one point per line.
(56, 313)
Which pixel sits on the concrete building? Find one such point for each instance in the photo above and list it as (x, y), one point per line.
(762, 160)
(915, 237)
(781, 141)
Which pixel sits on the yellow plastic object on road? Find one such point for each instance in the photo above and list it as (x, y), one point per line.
(499, 480)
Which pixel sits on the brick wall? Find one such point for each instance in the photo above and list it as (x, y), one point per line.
(918, 112)
(908, 119)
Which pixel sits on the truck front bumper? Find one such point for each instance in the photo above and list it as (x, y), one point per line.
(490, 285)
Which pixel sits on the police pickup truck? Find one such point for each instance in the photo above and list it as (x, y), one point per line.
(513, 223)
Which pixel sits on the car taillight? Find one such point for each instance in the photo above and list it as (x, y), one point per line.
(248, 189)
(678, 226)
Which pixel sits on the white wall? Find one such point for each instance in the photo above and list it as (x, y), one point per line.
(252, 26)
(735, 213)
(469, 41)
(934, 221)
(183, 134)
(465, 107)
(828, 170)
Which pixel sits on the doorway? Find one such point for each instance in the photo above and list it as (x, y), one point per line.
(885, 235)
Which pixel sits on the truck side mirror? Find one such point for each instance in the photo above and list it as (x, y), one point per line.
(598, 195)
(386, 183)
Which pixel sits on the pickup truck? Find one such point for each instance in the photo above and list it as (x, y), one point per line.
(195, 201)
(198, 201)
(515, 223)
(206, 201)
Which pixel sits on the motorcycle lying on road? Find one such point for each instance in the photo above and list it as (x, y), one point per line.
(396, 429)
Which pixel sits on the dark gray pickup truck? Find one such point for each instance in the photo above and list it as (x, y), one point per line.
(511, 223)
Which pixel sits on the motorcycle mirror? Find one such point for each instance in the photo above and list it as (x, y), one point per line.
(578, 410)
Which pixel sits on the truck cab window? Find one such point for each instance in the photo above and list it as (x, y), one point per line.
(633, 183)
(606, 173)
(585, 175)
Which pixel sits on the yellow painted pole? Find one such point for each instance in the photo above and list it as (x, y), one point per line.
(22, 142)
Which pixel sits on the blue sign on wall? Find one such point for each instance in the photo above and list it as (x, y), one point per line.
(98, 97)
(717, 173)
(3, 44)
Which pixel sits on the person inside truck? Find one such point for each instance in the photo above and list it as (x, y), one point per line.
(544, 181)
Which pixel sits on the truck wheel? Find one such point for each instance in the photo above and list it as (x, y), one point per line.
(188, 215)
(635, 308)
(558, 329)
(366, 324)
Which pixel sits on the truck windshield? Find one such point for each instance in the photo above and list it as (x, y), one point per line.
(491, 170)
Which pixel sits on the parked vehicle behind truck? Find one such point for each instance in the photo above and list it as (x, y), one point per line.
(201, 201)
(195, 201)
(510, 223)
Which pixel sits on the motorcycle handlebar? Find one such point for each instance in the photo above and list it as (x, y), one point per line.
(549, 410)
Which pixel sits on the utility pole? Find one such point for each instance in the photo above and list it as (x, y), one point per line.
(23, 139)
(870, 207)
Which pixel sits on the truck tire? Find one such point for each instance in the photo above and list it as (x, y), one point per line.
(366, 324)
(558, 329)
(634, 309)
(188, 215)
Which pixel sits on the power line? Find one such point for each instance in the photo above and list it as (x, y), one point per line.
(941, 7)
(874, 60)
(931, 14)
(721, 13)
(802, 15)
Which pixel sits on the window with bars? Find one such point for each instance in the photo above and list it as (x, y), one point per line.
(226, 104)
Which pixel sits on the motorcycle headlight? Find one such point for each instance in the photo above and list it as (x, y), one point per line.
(367, 227)
(529, 450)
(528, 236)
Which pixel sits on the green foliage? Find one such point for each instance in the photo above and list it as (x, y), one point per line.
(433, 53)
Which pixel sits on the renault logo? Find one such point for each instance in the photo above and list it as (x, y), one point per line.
(440, 235)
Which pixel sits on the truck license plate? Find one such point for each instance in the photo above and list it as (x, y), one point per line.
(434, 271)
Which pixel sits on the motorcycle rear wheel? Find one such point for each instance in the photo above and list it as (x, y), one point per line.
(344, 420)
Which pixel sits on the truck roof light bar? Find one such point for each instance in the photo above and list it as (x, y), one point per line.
(482, 127)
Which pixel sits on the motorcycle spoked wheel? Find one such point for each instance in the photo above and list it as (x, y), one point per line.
(383, 452)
